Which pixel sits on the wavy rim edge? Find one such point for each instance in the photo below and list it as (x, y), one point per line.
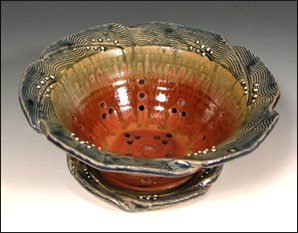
(241, 62)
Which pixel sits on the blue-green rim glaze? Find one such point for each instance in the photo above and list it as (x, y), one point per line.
(238, 60)
(129, 201)
(243, 64)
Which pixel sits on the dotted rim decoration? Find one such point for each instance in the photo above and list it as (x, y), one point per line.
(196, 186)
(258, 84)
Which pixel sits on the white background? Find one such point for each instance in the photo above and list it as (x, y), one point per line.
(257, 192)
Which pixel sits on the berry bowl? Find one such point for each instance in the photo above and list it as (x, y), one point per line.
(148, 114)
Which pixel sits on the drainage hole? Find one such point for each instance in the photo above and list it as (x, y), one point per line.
(168, 135)
(127, 135)
(181, 103)
(142, 95)
(104, 116)
(137, 137)
(142, 81)
(130, 142)
(174, 110)
(102, 105)
(141, 108)
(111, 110)
(183, 114)
(157, 137)
(164, 142)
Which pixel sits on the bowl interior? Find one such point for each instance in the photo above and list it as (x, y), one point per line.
(149, 101)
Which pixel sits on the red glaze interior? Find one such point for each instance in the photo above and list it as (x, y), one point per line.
(149, 103)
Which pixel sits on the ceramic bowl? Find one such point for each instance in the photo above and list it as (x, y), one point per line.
(149, 113)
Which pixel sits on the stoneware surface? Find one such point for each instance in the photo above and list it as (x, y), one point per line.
(154, 98)
(255, 192)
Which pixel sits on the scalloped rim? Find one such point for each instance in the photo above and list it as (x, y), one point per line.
(242, 63)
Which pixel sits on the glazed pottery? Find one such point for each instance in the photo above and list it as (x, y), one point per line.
(149, 113)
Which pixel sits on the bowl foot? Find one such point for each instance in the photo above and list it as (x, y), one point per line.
(134, 201)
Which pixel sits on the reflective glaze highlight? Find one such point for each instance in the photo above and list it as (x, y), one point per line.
(143, 104)
(149, 113)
